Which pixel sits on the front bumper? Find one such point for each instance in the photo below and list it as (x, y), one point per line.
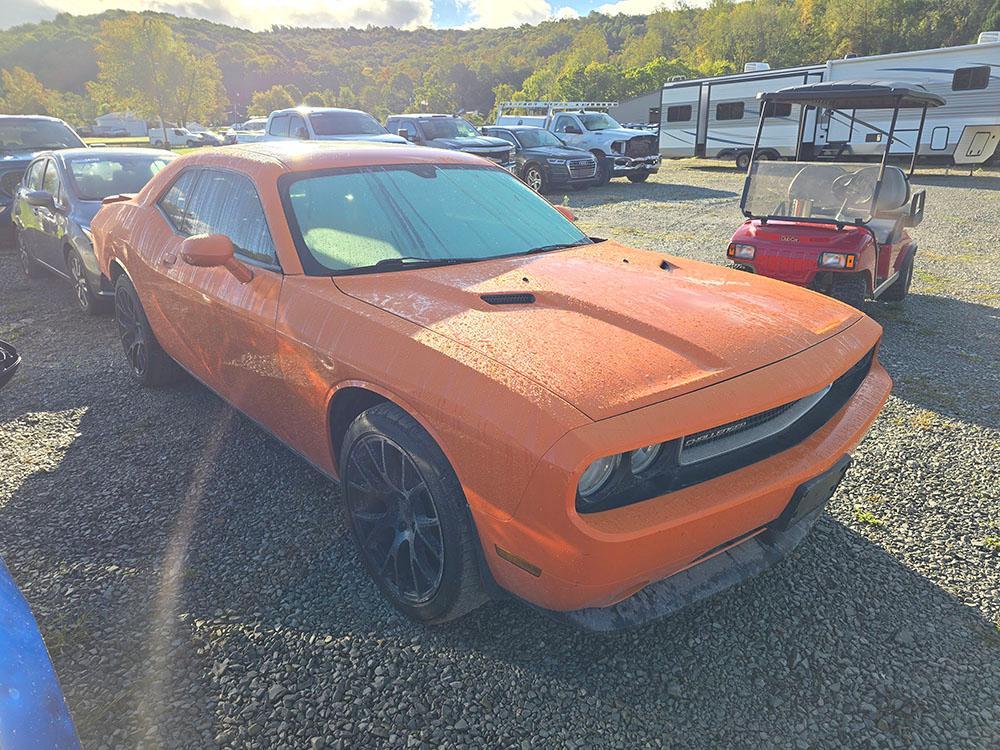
(629, 165)
(596, 560)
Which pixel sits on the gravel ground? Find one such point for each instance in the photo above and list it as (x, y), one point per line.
(196, 585)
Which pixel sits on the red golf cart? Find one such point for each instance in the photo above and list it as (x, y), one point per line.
(838, 228)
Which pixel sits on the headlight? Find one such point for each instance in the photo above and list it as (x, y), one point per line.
(741, 252)
(556, 161)
(597, 475)
(618, 147)
(643, 458)
(838, 260)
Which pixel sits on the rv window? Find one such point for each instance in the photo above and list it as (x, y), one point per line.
(729, 111)
(970, 79)
(777, 109)
(679, 113)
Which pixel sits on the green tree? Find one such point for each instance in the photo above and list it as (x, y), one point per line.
(264, 102)
(23, 93)
(433, 95)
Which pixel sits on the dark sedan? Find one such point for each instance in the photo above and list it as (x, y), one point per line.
(543, 161)
(55, 203)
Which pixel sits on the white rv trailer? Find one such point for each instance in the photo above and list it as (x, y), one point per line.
(968, 77)
(717, 117)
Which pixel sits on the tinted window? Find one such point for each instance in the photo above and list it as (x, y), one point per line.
(505, 135)
(729, 111)
(279, 125)
(562, 122)
(355, 218)
(448, 127)
(680, 113)
(777, 109)
(969, 79)
(96, 177)
(537, 137)
(34, 179)
(227, 203)
(409, 127)
(296, 125)
(174, 202)
(345, 123)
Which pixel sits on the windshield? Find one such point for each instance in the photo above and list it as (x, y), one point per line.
(448, 127)
(536, 138)
(345, 123)
(350, 219)
(96, 177)
(18, 134)
(254, 124)
(831, 192)
(598, 121)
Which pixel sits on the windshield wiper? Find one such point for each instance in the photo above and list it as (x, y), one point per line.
(557, 246)
(410, 261)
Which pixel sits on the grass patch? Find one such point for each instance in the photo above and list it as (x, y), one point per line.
(867, 517)
(993, 542)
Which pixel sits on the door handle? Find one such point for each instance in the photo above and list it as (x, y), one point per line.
(168, 259)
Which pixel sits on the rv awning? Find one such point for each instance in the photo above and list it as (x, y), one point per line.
(856, 95)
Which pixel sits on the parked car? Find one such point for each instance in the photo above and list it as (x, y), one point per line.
(21, 138)
(451, 132)
(246, 132)
(326, 124)
(509, 405)
(208, 138)
(620, 151)
(57, 201)
(175, 138)
(543, 161)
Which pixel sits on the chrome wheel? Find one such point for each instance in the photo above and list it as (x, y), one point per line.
(131, 332)
(533, 178)
(79, 282)
(27, 264)
(395, 518)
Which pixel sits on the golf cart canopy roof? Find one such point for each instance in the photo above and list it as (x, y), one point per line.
(845, 95)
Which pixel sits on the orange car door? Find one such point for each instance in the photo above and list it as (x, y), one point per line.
(227, 326)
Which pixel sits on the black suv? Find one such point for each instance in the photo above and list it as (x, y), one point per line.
(451, 132)
(544, 162)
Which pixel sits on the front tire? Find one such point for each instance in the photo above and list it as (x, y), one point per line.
(534, 177)
(150, 365)
(29, 266)
(88, 302)
(603, 169)
(743, 161)
(850, 288)
(641, 177)
(409, 517)
(901, 287)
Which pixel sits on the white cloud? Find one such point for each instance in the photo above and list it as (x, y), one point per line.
(492, 14)
(634, 7)
(261, 14)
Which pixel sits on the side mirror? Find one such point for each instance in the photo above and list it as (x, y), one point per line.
(213, 251)
(566, 212)
(40, 199)
(301, 133)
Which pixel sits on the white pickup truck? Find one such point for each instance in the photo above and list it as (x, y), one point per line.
(326, 124)
(620, 151)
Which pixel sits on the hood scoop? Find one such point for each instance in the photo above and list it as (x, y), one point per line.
(508, 298)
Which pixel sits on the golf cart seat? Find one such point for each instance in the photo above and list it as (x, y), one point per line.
(891, 208)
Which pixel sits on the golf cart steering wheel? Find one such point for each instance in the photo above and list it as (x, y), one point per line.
(854, 187)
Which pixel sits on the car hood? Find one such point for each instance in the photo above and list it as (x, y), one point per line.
(557, 152)
(611, 328)
(623, 132)
(375, 137)
(485, 142)
(20, 155)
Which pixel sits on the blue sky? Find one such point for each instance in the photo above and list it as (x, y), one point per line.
(261, 14)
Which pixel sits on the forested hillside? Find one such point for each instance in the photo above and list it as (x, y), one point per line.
(383, 69)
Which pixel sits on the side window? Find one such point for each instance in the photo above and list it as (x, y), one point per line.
(279, 125)
(50, 183)
(295, 125)
(971, 79)
(227, 203)
(562, 122)
(175, 201)
(504, 135)
(777, 109)
(679, 113)
(33, 180)
(729, 111)
(408, 125)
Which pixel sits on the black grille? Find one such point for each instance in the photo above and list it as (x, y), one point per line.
(9, 181)
(642, 145)
(511, 298)
(734, 428)
(582, 168)
(669, 475)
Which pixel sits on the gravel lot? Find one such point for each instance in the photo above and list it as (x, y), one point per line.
(196, 585)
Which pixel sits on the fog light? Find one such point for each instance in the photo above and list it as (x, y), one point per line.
(643, 458)
(838, 260)
(742, 252)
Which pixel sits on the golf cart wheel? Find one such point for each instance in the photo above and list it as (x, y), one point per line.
(534, 178)
(640, 177)
(29, 266)
(409, 517)
(603, 169)
(743, 161)
(150, 365)
(901, 287)
(88, 302)
(850, 288)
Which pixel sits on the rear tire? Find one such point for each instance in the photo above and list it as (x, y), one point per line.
(850, 288)
(641, 177)
(603, 169)
(743, 161)
(150, 365)
(901, 287)
(29, 266)
(534, 177)
(409, 517)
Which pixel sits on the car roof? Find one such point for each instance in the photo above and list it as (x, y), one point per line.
(311, 110)
(424, 114)
(307, 156)
(31, 117)
(516, 128)
(91, 153)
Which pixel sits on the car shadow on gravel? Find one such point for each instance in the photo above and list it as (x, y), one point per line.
(958, 179)
(658, 192)
(943, 355)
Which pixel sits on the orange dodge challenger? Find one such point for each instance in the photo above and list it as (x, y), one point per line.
(509, 405)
